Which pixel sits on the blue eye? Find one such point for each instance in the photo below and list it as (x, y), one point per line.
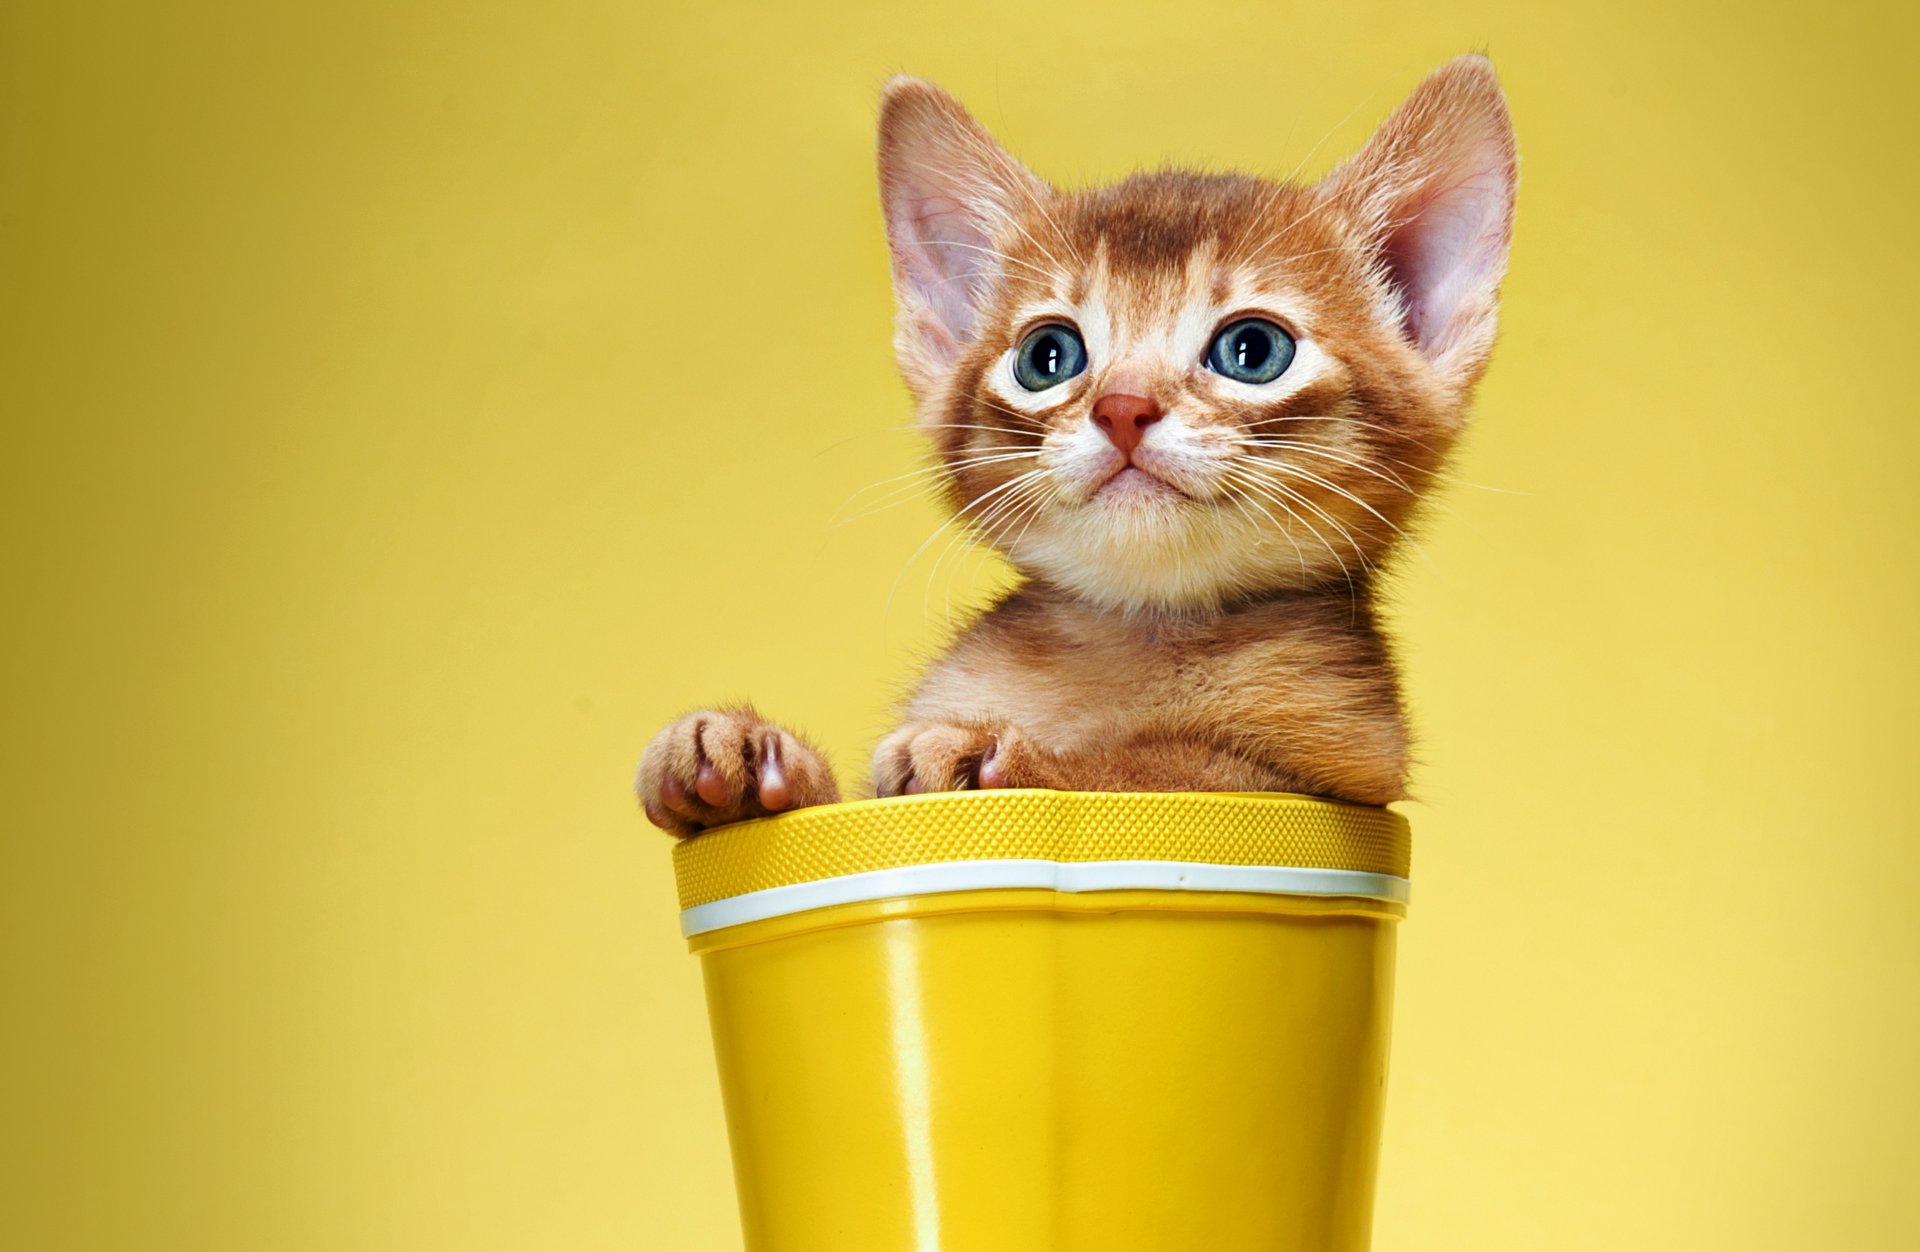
(1049, 357)
(1251, 351)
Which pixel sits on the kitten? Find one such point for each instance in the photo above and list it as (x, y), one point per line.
(1195, 411)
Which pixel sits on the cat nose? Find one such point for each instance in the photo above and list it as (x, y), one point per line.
(1124, 418)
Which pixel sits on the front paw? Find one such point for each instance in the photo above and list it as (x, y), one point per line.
(944, 756)
(727, 765)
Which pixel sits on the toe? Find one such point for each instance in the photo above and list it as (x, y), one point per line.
(775, 792)
(712, 788)
(993, 769)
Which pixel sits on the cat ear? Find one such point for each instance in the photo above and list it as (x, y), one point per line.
(1432, 193)
(948, 190)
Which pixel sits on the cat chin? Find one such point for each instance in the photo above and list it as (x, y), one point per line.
(1173, 556)
(1135, 488)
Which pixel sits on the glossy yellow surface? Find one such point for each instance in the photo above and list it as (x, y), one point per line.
(1198, 1075)
(1037, 1071)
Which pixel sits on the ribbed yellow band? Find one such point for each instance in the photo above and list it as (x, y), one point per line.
(1207, 827)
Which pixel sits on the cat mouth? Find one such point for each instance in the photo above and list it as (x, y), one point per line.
(1130, 482)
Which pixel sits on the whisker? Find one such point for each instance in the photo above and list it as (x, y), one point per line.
(1260, 489)
(1314, 205)
(1240, 500)
(1365, 564)
(1275, 261)
(1313, 449)
(1337, 489)
(978, 530)
(1062, 235)
(915, 482)
(1306, 501)
(948, 467)
(997, 430)
(1025, 417)
(1366, 568)
(957, 516)
(1015, 223)
(1037, 502)
(1446, 475)
(993, 252)
(1361, 422)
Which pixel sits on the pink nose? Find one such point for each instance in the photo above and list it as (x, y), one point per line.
(1125, 418)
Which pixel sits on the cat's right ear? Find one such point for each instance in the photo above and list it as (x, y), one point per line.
(949, 192)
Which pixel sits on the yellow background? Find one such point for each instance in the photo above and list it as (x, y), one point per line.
(408, 407)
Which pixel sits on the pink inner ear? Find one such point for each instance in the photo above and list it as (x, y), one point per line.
(1450, 251)
(942, 254)
(1448, 246)
(947, 188)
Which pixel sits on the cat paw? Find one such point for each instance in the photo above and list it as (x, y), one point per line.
(727, 765)
(941, 756)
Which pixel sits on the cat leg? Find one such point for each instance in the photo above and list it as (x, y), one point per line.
(726, 765)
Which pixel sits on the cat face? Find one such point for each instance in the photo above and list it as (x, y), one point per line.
(1185, 388)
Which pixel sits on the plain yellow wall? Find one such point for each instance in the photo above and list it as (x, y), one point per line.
(408, 407)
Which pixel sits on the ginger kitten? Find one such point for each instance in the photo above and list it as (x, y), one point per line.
(1195, 411)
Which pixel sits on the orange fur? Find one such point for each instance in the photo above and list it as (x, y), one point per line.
(1198, 610)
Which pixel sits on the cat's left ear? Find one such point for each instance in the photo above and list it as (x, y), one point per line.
(1432, 193)
(949, 192)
